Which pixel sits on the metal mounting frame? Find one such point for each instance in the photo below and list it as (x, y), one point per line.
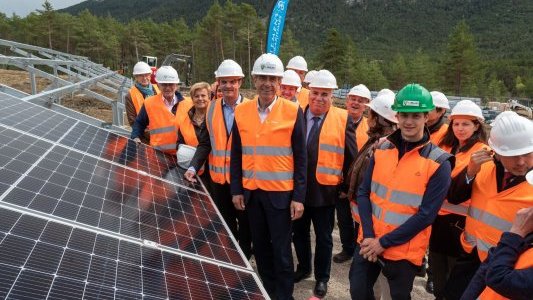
(82, 75)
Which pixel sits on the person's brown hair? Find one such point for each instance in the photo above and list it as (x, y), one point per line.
(449, 139)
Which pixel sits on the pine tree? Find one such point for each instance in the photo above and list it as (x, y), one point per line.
(461, 60)
(332, 53)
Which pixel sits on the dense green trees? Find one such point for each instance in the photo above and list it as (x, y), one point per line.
(235, 30)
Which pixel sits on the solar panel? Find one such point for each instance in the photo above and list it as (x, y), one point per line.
(45, 259)
(116, 219)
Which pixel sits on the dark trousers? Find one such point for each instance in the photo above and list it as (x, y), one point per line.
(441, 266)
(323, 219)
(237, 220)
(271, 229)
(462, 273)
(363, 274)
(346, 225)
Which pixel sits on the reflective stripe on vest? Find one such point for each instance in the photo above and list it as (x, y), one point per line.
(361, 136)
(186, 128)
(355, 212)
(331, 147)
(492, 212)
(397, 189)
(219, 157)
(267, 161)
(163, 131)
(525, 261)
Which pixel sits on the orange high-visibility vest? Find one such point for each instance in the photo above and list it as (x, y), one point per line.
(491, 213)
(361, 137)
(163, 131)
(219, 157)
(437, 136)
(186, 127)
(303, 97)
(396, 192)
(525, 261)
(267, 157)
(331, 144)
(461, 161)
(137, 97)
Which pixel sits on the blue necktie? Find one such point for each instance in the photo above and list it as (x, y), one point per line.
(313, 133)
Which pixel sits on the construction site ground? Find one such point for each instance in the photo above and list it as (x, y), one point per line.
(338, 287)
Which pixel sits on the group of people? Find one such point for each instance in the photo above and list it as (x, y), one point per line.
(404, 185)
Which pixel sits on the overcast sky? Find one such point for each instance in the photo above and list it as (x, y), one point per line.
(24, 7)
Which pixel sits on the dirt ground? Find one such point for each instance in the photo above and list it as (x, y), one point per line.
(338, 287)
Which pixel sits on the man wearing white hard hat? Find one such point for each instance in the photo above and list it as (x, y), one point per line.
(158, 112)
(436, 123)
(290, 83)
(141, 89)
(495, 183)
(356, 101)
(219, 123)
(299, 65)
(330, 150)
(358, 96)
(268, 173)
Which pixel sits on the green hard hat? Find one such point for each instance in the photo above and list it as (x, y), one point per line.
(413, 98)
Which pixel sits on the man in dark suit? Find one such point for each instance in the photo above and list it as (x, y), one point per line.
(268, 173)
(330, 150)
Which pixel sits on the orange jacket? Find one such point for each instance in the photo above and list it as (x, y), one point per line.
(303, 97)
(360, 133)
(137, 97)
(461, 161)
(437, 136)
(219, 158)
(524, 261)
(267, 158)
(163, 130)
(491, 213)
(397, 190)
(331, 147)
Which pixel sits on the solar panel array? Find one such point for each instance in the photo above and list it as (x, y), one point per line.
(88, 214)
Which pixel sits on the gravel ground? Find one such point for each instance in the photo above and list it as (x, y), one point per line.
(339, 286)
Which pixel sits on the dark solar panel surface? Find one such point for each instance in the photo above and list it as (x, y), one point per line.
(44, 259)
(75, 186)
(87, 214)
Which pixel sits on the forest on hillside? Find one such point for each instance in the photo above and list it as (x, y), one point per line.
(464, 63)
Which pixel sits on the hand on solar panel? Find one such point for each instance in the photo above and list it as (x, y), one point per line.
(137, 140)
(190, 176)
(238, 202)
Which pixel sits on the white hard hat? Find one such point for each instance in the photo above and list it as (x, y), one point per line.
(324, 79)
(291, 78)
(503, 114)
(297, 63)
(529, 177)
(229, 68)
(360, 90)
(268, 64)
(141, 68)
(310, 75)
(184, 155)
(512, 135)
(167, 74)
(440, 100)
(386, 92)
(382, 105)
(467, 108)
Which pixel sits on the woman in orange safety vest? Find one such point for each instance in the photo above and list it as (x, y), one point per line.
(464, 136)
